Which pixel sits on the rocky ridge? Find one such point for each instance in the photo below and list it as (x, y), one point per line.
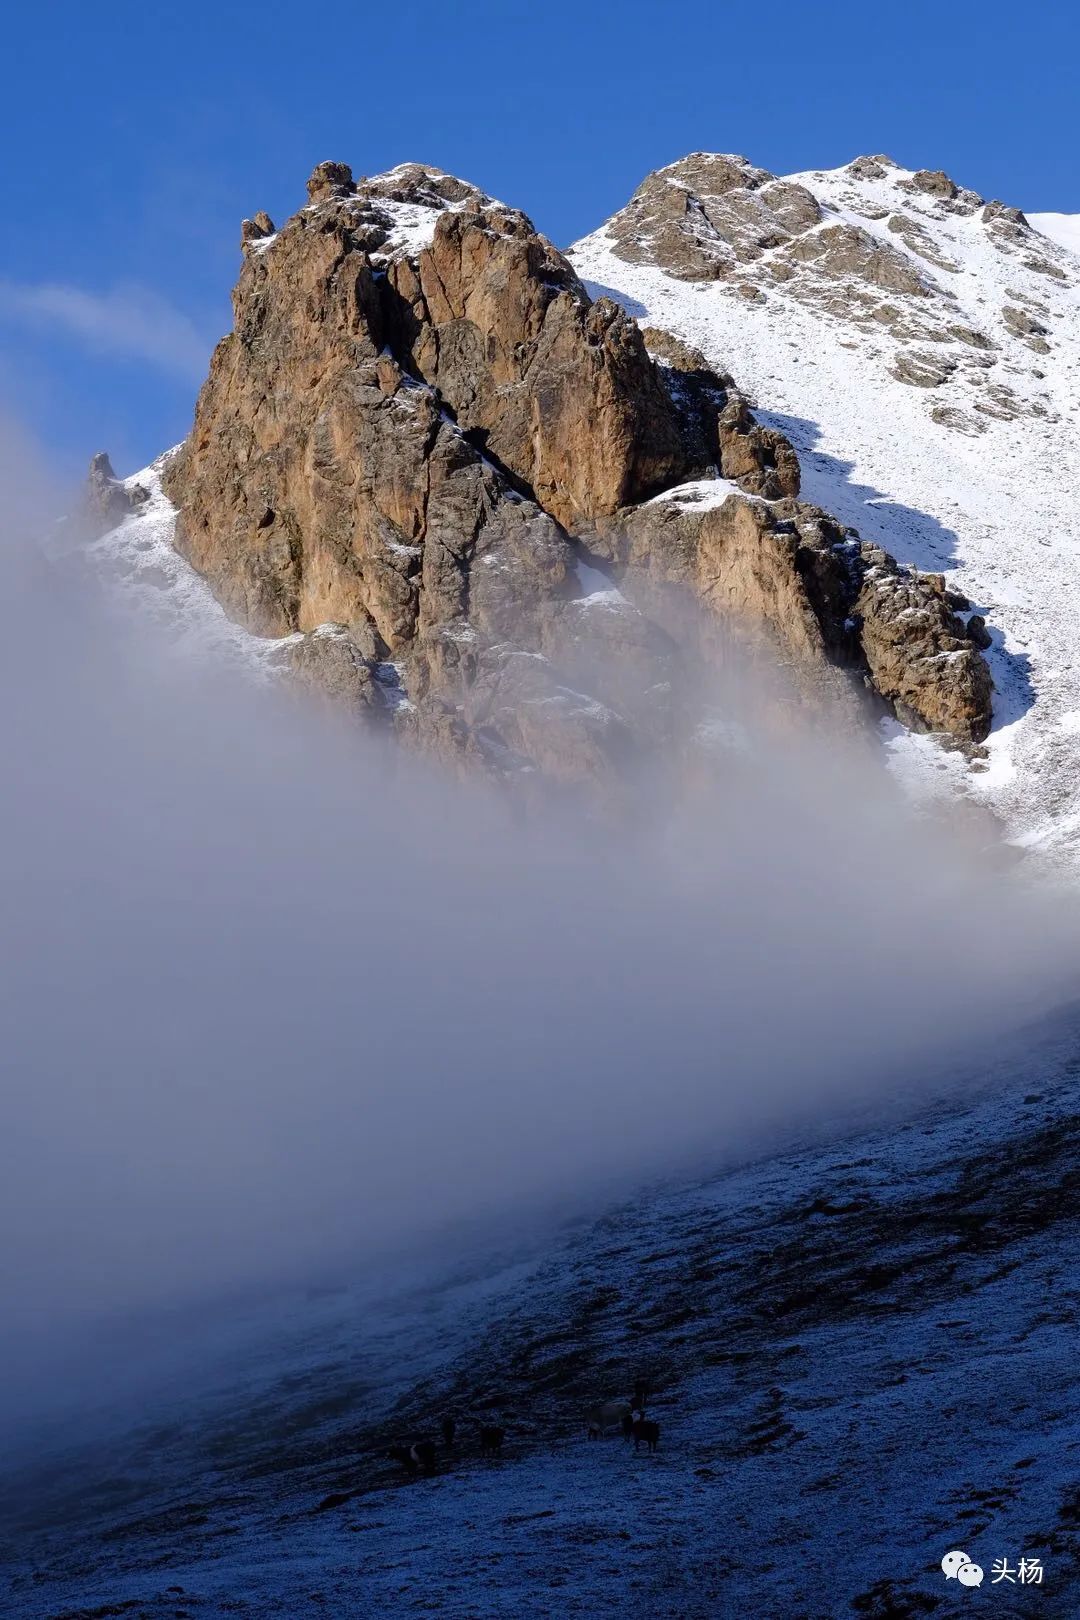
(868, 256)
(919, 345)
(424, 438)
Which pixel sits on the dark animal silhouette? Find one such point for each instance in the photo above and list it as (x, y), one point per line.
(642, 1391)
(491, 1439)
(607, 1415)
(420, 1455)
(628, 1424)
(645, 1429)
(449, 1429)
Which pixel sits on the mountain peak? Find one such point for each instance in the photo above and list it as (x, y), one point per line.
(423, 440)
(919, 346)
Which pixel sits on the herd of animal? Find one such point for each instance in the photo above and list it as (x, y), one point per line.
(607, 1417)
(629, 1420)
(422, 1456)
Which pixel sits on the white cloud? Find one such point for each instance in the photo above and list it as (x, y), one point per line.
(128, 320)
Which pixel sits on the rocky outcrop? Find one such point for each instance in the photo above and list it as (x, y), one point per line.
(422, 433)
(106, 500)
(256, 229)
(717, 424)
(827, 598)
(709, 215)
(935, 182)
(919, 654)
(556, 388)
(717, 218)
(712, 217)
(842, 252)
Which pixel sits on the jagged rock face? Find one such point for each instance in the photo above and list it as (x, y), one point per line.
(558, 389)
(932, 408)
(328, 482)
(256, 229)
(826, 597)
(717, 424)
(322, 483)
(920, 655)
(419, 417)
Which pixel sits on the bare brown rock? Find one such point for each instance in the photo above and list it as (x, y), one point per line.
(718, 427)
(330, 664)
(1002, 212)
(917, 651)
(558, 389)
(915, 236)
(870, 168)
(849, 252)
(758, 458)
(1023, 325)
(827, 599)
(935, 183)
(330, 180)
(419, 420)
(923, 368)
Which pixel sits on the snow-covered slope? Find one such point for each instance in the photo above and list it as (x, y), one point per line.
(1063, 228)
(148, 577)
(863, 1356)
(922, 351)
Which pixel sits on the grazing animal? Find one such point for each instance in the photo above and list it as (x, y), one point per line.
(420, 1455)
(645, 1429)
(628, 1424)
(449, 1429)
(608, 1415)
(491, 1439)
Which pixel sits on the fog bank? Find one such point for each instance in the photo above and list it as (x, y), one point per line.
(271, 993)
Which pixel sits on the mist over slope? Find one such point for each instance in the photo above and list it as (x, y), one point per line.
(921, 348)
(273, 993)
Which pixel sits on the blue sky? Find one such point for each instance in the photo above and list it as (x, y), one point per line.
(137, 137)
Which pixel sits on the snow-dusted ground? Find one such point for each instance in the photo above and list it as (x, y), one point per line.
(990, 502)
(863, 1353)
(166, 598)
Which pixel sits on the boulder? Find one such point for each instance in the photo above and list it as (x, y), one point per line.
(330, 180)
(935, 183)
(1001, 211)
